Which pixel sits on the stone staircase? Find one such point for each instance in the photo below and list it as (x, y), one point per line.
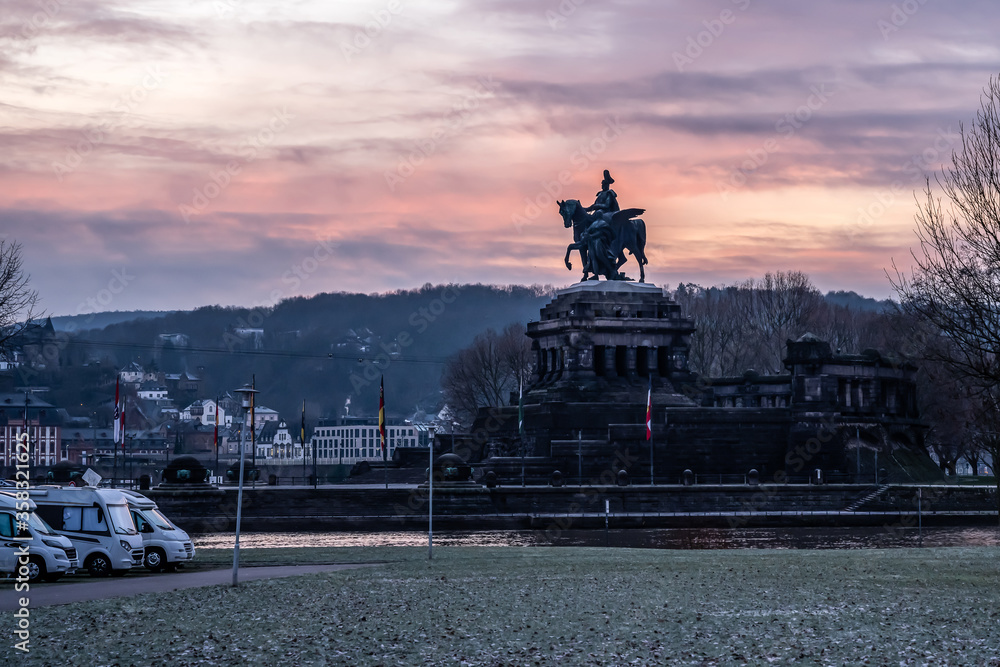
(858, 503)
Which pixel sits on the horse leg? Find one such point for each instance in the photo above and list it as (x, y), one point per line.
(640, 247)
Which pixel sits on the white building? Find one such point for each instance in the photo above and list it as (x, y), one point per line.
(9, 360)
(350, 443)
(262, 415)
(133, 374)
(275, 441)
(152, 392)
(204, 411)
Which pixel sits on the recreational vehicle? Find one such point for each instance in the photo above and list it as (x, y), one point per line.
(49, 556)
(166, 545)
(97, 522)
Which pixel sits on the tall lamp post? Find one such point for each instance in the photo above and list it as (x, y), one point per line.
(247, 393)
(430, 494)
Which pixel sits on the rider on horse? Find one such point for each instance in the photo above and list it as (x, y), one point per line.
(607, 199)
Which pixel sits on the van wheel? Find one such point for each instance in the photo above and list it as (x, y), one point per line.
(154, 560)
(99, 565)
(36, 569)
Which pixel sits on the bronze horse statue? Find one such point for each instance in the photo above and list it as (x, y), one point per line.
(603, 238)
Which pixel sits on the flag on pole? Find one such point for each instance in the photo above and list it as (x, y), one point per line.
(124, 409)
(649, 411)
(216, 426)
(381, 416)
(117, 410)
(302, 431)
(520, 407)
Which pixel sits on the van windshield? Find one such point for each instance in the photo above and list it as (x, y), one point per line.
(38, 525)
(162, 522)
(121, 519)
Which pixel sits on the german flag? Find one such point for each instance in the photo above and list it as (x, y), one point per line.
(381, 417)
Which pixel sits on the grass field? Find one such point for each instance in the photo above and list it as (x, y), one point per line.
(548, 606)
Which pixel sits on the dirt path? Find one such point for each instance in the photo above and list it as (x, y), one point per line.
(75, 590)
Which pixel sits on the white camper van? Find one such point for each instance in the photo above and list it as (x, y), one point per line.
(50, 556)
(97, 521)
(166, 545)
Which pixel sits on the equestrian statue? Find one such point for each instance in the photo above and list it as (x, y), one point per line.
(603, 232)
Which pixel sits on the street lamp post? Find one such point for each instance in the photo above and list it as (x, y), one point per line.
(247, 393)
(430, 494)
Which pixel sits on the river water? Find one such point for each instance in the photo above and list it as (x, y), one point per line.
(659, 538)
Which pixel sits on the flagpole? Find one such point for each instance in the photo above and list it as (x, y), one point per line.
(382, 431)
(253, 433)
(27, 435)
(430, 495)
(520, 422)
(131, 463)
(114, 440)
(218, 400)
(649, 429)
(302, 440)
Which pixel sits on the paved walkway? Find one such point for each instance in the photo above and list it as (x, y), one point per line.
(73, 590)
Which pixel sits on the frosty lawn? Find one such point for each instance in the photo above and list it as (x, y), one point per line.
(547, 606)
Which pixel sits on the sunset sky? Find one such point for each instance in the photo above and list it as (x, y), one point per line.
(163, 154)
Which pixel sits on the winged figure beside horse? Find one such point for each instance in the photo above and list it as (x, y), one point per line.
(603, 232)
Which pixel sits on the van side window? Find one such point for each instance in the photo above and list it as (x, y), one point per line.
(71, 518)
(93, 520)
(6, 525)
(140, 523)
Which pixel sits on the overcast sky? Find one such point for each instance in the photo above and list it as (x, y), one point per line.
(161, 154)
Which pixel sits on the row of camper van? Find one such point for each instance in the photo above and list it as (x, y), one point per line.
(102, 531)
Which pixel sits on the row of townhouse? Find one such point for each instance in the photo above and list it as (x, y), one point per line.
(345, 440)
(43, 429)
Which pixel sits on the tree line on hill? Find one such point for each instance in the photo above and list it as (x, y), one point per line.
(327, 349)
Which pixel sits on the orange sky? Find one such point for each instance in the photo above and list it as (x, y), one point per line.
(215, 151)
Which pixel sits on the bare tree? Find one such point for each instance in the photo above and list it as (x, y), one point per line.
(746, 325)
(948, 407)
(17, 299)
(955, 281)
(485, 373)
(718, 346)
(777, 307)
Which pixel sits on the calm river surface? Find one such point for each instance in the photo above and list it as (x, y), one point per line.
(660, 538)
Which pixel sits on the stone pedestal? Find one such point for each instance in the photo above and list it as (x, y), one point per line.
(608, 341)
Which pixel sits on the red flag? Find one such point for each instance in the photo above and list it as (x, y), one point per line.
(381, 415)
(117, 410)
(124, 409)
(649, 412)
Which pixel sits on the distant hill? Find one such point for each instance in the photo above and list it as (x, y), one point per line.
(855, 301)
(103, 319)
(322, 349)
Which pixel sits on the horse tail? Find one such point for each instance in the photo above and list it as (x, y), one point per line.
(640, 238)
